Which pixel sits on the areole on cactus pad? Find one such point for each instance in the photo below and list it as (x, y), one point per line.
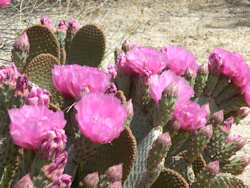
(155, 118)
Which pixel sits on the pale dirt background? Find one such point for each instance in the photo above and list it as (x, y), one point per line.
(198, 25)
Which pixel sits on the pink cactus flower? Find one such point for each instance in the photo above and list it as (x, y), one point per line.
(25, 182)
(22, 43)
(74, 26)
(62, 26)
(143, 61)
(179, 59)
(190, 115)
(38, 96)
(4, 3)
(159, 82)
(71, 80)
(22, 86)
(233, 66)
(45, 20)
(30, 122)
(100, 117)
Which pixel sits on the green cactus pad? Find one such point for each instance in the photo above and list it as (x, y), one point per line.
(170, 178)
(227, 181)
(121, 150)
(42, 40)
(38, 71)
(87, 47)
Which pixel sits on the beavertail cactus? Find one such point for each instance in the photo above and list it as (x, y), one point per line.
(154, 119)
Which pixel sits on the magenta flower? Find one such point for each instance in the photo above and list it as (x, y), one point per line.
(71, 80)
(4, 3)
(143, 61)
(62, 26)
(38, 96)
(159, 82)
(45, 20)
(30, 122)
(74, 26)
(179, 59)
(25, 181)
(232, 65)
(22, 43)
(8, 74)
(190, 116)
(100, 117)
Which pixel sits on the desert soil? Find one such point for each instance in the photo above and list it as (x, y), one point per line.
(198, 25)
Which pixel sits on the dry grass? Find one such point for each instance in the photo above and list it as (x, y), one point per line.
(198, 25)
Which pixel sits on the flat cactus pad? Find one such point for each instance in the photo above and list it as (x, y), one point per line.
(42, 40)
(87, 47)
(39, 72)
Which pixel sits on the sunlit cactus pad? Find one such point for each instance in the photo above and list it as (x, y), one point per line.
(153, 119)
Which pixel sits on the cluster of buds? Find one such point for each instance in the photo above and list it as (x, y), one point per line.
(154, 119)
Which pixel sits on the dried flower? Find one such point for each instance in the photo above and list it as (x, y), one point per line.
(190, 115)
(22, 84)
(64, 181)
(100, 117)
(30, 122)
(56, 167)
(213, 168)
(70, 80)
(143, 61)
(52, 143)
(22, 43)
(179, 59)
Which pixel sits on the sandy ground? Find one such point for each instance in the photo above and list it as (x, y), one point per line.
(198, 25)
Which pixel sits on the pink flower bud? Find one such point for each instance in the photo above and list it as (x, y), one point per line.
(38, 96)
(228, 124)
(91, 180)
(114, 173)
(62, 26)
(8, 74)
(130, 109)
(237, 140)
(217, 117)
(74, 26)
(22, 43)
(112, 69)
(45, 20)
(213, 168)
(117, 184)
(25, 182)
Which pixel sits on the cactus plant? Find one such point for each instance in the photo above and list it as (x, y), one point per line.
(154, 119)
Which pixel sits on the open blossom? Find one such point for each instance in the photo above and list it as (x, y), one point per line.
(143, 61)
(45, 20)
(190, 116)
(179, 59)
(38, 96)
(100, 117)
(4, 3)
(71, 80)
(30, 122)
(159, 82)
(232, 65)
